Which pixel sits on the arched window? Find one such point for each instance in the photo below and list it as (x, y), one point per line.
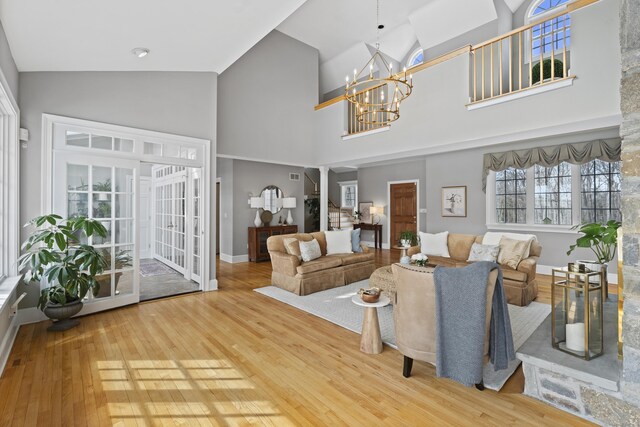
(416, 58)
(550, 35)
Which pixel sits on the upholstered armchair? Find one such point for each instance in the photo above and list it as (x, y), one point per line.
(415, 315)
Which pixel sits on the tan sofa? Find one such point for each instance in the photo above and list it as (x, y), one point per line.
(414, 314)
(326, 272)
(520, 285)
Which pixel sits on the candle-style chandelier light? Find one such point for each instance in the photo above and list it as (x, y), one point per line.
(377, 98)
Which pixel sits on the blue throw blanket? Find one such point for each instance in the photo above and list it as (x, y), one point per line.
(460, 318)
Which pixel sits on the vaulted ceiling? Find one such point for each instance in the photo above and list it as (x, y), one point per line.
(209, 35)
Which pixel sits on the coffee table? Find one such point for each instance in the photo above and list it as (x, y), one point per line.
(371, 341)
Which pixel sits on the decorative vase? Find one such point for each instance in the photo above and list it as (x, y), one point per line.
(597, 267)
(61, 315)
(257, 221)
(289, 218)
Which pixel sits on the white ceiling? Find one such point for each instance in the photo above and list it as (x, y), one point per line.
(183, 35)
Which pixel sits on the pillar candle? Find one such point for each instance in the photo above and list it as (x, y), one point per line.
(575, 336)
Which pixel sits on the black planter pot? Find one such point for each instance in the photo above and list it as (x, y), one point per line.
(61, 315)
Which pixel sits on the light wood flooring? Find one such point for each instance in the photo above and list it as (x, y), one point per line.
(235, 357)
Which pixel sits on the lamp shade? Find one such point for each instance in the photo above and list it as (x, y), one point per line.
(289, 202)
(256, 202)
(375, 210)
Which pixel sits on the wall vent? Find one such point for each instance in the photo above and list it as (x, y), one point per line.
(294, 176)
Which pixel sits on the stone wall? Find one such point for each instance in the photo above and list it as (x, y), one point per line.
(630, 133)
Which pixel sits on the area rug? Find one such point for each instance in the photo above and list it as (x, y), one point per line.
(335, 306)
(155, 268)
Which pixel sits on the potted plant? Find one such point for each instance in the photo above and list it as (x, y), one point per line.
(103, 188)
(602, 239)
(558, 71)
(313, 204)
(121, 260)
(54, 254)
(357, 217)
(408, 239)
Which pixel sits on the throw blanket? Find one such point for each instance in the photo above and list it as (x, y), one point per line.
(460, 318)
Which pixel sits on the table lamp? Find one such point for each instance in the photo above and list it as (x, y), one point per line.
(374, 210)
(289, 203)
(257, 203)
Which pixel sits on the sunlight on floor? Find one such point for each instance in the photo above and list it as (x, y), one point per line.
(188, 390)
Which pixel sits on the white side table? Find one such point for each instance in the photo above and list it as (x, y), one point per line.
(371, 341)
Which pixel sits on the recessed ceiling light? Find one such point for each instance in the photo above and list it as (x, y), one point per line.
(140, 52)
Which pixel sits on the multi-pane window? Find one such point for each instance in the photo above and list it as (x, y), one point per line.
(552, 190)
(600, 188)
(554, 33)
(511, 196)
(349, 195)
(565, 194)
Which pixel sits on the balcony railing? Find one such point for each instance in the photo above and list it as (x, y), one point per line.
(530, 56)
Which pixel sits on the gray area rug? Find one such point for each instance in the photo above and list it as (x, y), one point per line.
(335, 306)
(154, 268)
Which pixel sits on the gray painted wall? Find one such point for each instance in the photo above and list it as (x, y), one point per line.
(8, 65)
(178, 103)
(250, 178)
(225, 173)
(266, 102)
(373, 187)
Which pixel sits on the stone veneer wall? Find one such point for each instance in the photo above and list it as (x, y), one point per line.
(630, 133)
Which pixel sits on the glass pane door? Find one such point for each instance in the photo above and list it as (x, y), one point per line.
(170, 217)
(95, 188)
(196, 206)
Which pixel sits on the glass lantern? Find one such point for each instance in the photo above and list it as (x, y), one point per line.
(576, 312)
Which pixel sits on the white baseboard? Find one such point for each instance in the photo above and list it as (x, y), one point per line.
(7, 343)
(546, 269)
(30, 315)
(213, 284)
(372, 244)
(234, 258)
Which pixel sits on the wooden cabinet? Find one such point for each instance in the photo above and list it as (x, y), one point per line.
(258, 240)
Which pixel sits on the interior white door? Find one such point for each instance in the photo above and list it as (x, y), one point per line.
(145, 218)
(92, 186)
(170, 220)
(196, 225)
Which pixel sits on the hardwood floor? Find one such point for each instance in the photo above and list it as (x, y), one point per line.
(235, 357)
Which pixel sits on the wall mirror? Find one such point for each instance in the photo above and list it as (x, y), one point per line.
(271, 198)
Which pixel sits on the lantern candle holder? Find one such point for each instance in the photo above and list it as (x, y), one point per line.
(576, 312)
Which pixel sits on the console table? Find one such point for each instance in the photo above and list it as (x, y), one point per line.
(258, 240)
(377, 231)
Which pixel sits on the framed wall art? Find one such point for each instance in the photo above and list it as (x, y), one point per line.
(454, 201)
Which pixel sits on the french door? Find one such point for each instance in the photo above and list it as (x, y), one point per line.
(92, 186)
(178, 228)
(171, 217)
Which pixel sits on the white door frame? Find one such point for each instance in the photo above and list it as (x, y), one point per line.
(139, 136)
(388, 218)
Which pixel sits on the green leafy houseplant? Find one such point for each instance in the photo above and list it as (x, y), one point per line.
(54, 252)
(408, 236)
(313, 203)
(602, 239)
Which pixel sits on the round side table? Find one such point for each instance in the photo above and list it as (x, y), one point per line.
(404, 258)
(371, 341)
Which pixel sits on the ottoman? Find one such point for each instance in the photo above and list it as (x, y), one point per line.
(383, 278)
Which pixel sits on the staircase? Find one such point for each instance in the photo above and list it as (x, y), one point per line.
(340, 218)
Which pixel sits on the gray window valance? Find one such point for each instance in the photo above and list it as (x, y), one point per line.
(576, 153)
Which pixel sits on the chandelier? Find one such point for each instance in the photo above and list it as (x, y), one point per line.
(377, 98)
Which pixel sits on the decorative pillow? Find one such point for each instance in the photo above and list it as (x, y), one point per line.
(483, 252)
(338, 242)
(512, 251)
(355, 241)
(292, 246)
(310, 250)
(435, 244)
(493, 238)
